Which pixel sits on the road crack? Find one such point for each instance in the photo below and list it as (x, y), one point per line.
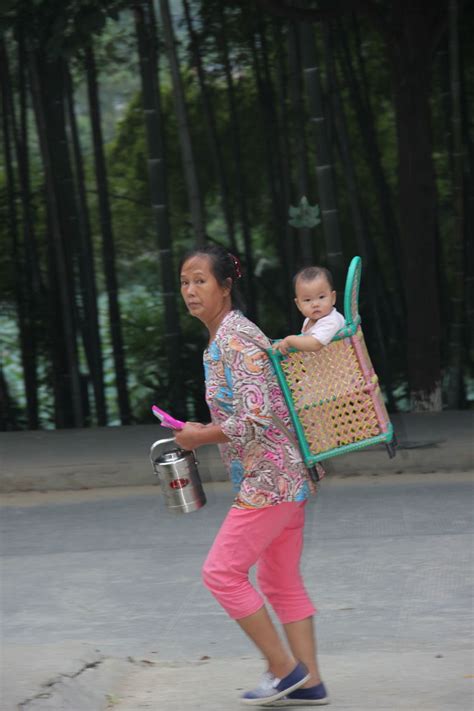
(50, 685)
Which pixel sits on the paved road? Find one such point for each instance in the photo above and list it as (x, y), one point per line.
(101, 597)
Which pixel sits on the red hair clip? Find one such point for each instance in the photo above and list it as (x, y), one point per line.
(236, 260)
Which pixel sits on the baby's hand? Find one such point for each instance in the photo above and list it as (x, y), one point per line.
(284, 345)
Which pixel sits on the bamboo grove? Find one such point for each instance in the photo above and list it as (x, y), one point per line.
(290, 132)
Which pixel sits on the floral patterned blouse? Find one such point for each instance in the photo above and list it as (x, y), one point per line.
(242, 392)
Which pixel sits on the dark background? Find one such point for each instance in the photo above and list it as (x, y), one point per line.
(290, 132)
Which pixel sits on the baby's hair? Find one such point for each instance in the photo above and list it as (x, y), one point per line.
(311, 273)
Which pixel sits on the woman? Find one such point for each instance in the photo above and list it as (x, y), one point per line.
(265, 523)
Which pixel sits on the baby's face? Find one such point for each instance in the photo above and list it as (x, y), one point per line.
(314, 298)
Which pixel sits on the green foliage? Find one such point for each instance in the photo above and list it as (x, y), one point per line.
(59, 27)
(148, 382)
(65, 27)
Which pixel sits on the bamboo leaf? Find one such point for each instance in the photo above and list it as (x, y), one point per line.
(304, 215)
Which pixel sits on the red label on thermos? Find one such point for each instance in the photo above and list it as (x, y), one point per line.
(179, 483)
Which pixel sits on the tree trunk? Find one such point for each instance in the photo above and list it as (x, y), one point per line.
(35, 290)
(324, 165)
(298, 112)
(237, 151)
(360, 97)
(410, 59)
(146, 38)
(189, 165)
(32, 260)
(211, 126)
(442, 62)
(90, 316)
(364, 246)
(12, 223)
(297, 249)
(469, 213)
(57, 365)
(48, 104)
(21, 256)
(270, 137)
(8, 408)
(108, 245)
(454, 374)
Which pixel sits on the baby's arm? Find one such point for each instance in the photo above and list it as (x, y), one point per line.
(300, 343)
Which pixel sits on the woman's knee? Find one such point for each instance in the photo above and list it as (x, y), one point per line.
(216, 576)
(209, 575)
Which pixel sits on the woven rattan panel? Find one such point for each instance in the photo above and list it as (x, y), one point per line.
(328, 394)
(354, 298)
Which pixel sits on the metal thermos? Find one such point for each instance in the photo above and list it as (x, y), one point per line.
(178, 474)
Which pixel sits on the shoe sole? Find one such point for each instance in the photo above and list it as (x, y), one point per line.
(270, 700)
(301, 702)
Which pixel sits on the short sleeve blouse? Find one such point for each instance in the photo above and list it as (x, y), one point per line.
(325, 328)
(265, 467)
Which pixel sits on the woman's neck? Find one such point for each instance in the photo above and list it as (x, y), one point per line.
(214, 323)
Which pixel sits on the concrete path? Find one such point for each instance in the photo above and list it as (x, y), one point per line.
(103, 608)
(118, 456)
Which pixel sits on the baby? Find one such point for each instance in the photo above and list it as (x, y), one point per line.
(315, 298)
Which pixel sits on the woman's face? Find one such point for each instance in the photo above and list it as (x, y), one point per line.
(204, 297)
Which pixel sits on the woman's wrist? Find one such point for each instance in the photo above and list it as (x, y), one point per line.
(213, 434)
(192, 436)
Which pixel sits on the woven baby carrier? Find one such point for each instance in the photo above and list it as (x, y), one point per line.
(333, 395)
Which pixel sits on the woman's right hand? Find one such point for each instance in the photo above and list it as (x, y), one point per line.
(188, 437)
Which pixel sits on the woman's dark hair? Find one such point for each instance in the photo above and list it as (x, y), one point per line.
(224, 266)
(310, 273)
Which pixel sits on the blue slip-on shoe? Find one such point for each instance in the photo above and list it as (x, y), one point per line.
(311, 696)
(271, 688)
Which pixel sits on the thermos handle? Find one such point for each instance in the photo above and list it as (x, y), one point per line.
(158, 444)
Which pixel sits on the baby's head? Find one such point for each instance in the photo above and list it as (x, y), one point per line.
(314, 292)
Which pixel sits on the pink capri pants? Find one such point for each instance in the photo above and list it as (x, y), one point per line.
(272, 538)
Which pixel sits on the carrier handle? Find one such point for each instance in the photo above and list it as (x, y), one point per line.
(351, 294)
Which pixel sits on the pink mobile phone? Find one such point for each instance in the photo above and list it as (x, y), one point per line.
(167, 420)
